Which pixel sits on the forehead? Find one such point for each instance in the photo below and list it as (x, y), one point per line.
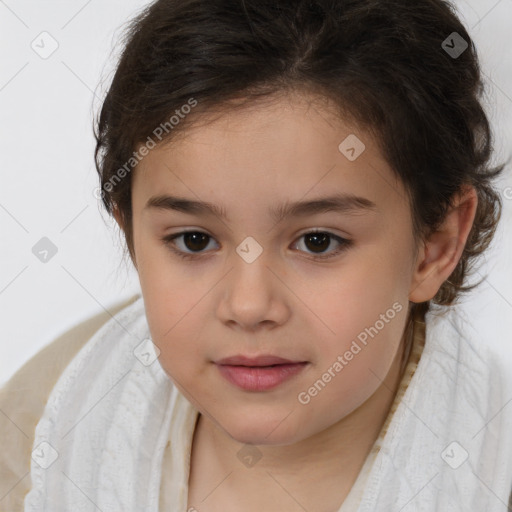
(291, 148)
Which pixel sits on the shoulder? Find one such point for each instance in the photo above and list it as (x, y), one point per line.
(23, 398)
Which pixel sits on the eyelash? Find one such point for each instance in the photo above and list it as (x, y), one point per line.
(169, 242)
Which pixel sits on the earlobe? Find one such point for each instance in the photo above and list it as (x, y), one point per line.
(441, 253)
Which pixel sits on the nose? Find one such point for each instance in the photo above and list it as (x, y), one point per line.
(253, 296)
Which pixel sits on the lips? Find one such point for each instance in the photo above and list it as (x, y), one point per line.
(263, 360)
(259, 373)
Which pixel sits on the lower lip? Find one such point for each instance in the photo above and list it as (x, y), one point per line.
(261, 378)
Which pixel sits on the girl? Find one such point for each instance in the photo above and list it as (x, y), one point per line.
(303, 187)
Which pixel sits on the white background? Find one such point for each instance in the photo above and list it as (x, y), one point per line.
(48, 176)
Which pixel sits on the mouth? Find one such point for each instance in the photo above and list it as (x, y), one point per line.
(258, 373)
(258, 361)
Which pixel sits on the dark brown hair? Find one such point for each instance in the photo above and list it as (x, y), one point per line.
(388, 65)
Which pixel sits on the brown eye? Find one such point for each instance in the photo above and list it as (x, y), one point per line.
(319, 241)
(193, 241)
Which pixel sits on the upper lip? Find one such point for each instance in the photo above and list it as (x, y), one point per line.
(263, 360)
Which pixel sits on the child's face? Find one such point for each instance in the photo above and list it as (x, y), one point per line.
(284, 302)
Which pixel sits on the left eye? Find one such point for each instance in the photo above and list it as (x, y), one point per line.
(196, 241)
(321, 240)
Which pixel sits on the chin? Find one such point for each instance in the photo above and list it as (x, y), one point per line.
(248, 430)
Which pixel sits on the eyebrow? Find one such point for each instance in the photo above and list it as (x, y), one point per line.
(341, 203)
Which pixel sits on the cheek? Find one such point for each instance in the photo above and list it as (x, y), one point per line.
(170, 290)
(358, 296)
(352, 368)
(363, 316)
(175, 302)
(176, 321)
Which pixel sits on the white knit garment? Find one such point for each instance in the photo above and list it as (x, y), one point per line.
(108, 419)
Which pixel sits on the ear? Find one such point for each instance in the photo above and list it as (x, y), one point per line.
(439, 255)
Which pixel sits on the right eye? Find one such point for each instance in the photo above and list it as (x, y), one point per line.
(195, 239)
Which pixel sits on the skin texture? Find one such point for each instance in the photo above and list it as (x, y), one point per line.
(284, 303)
